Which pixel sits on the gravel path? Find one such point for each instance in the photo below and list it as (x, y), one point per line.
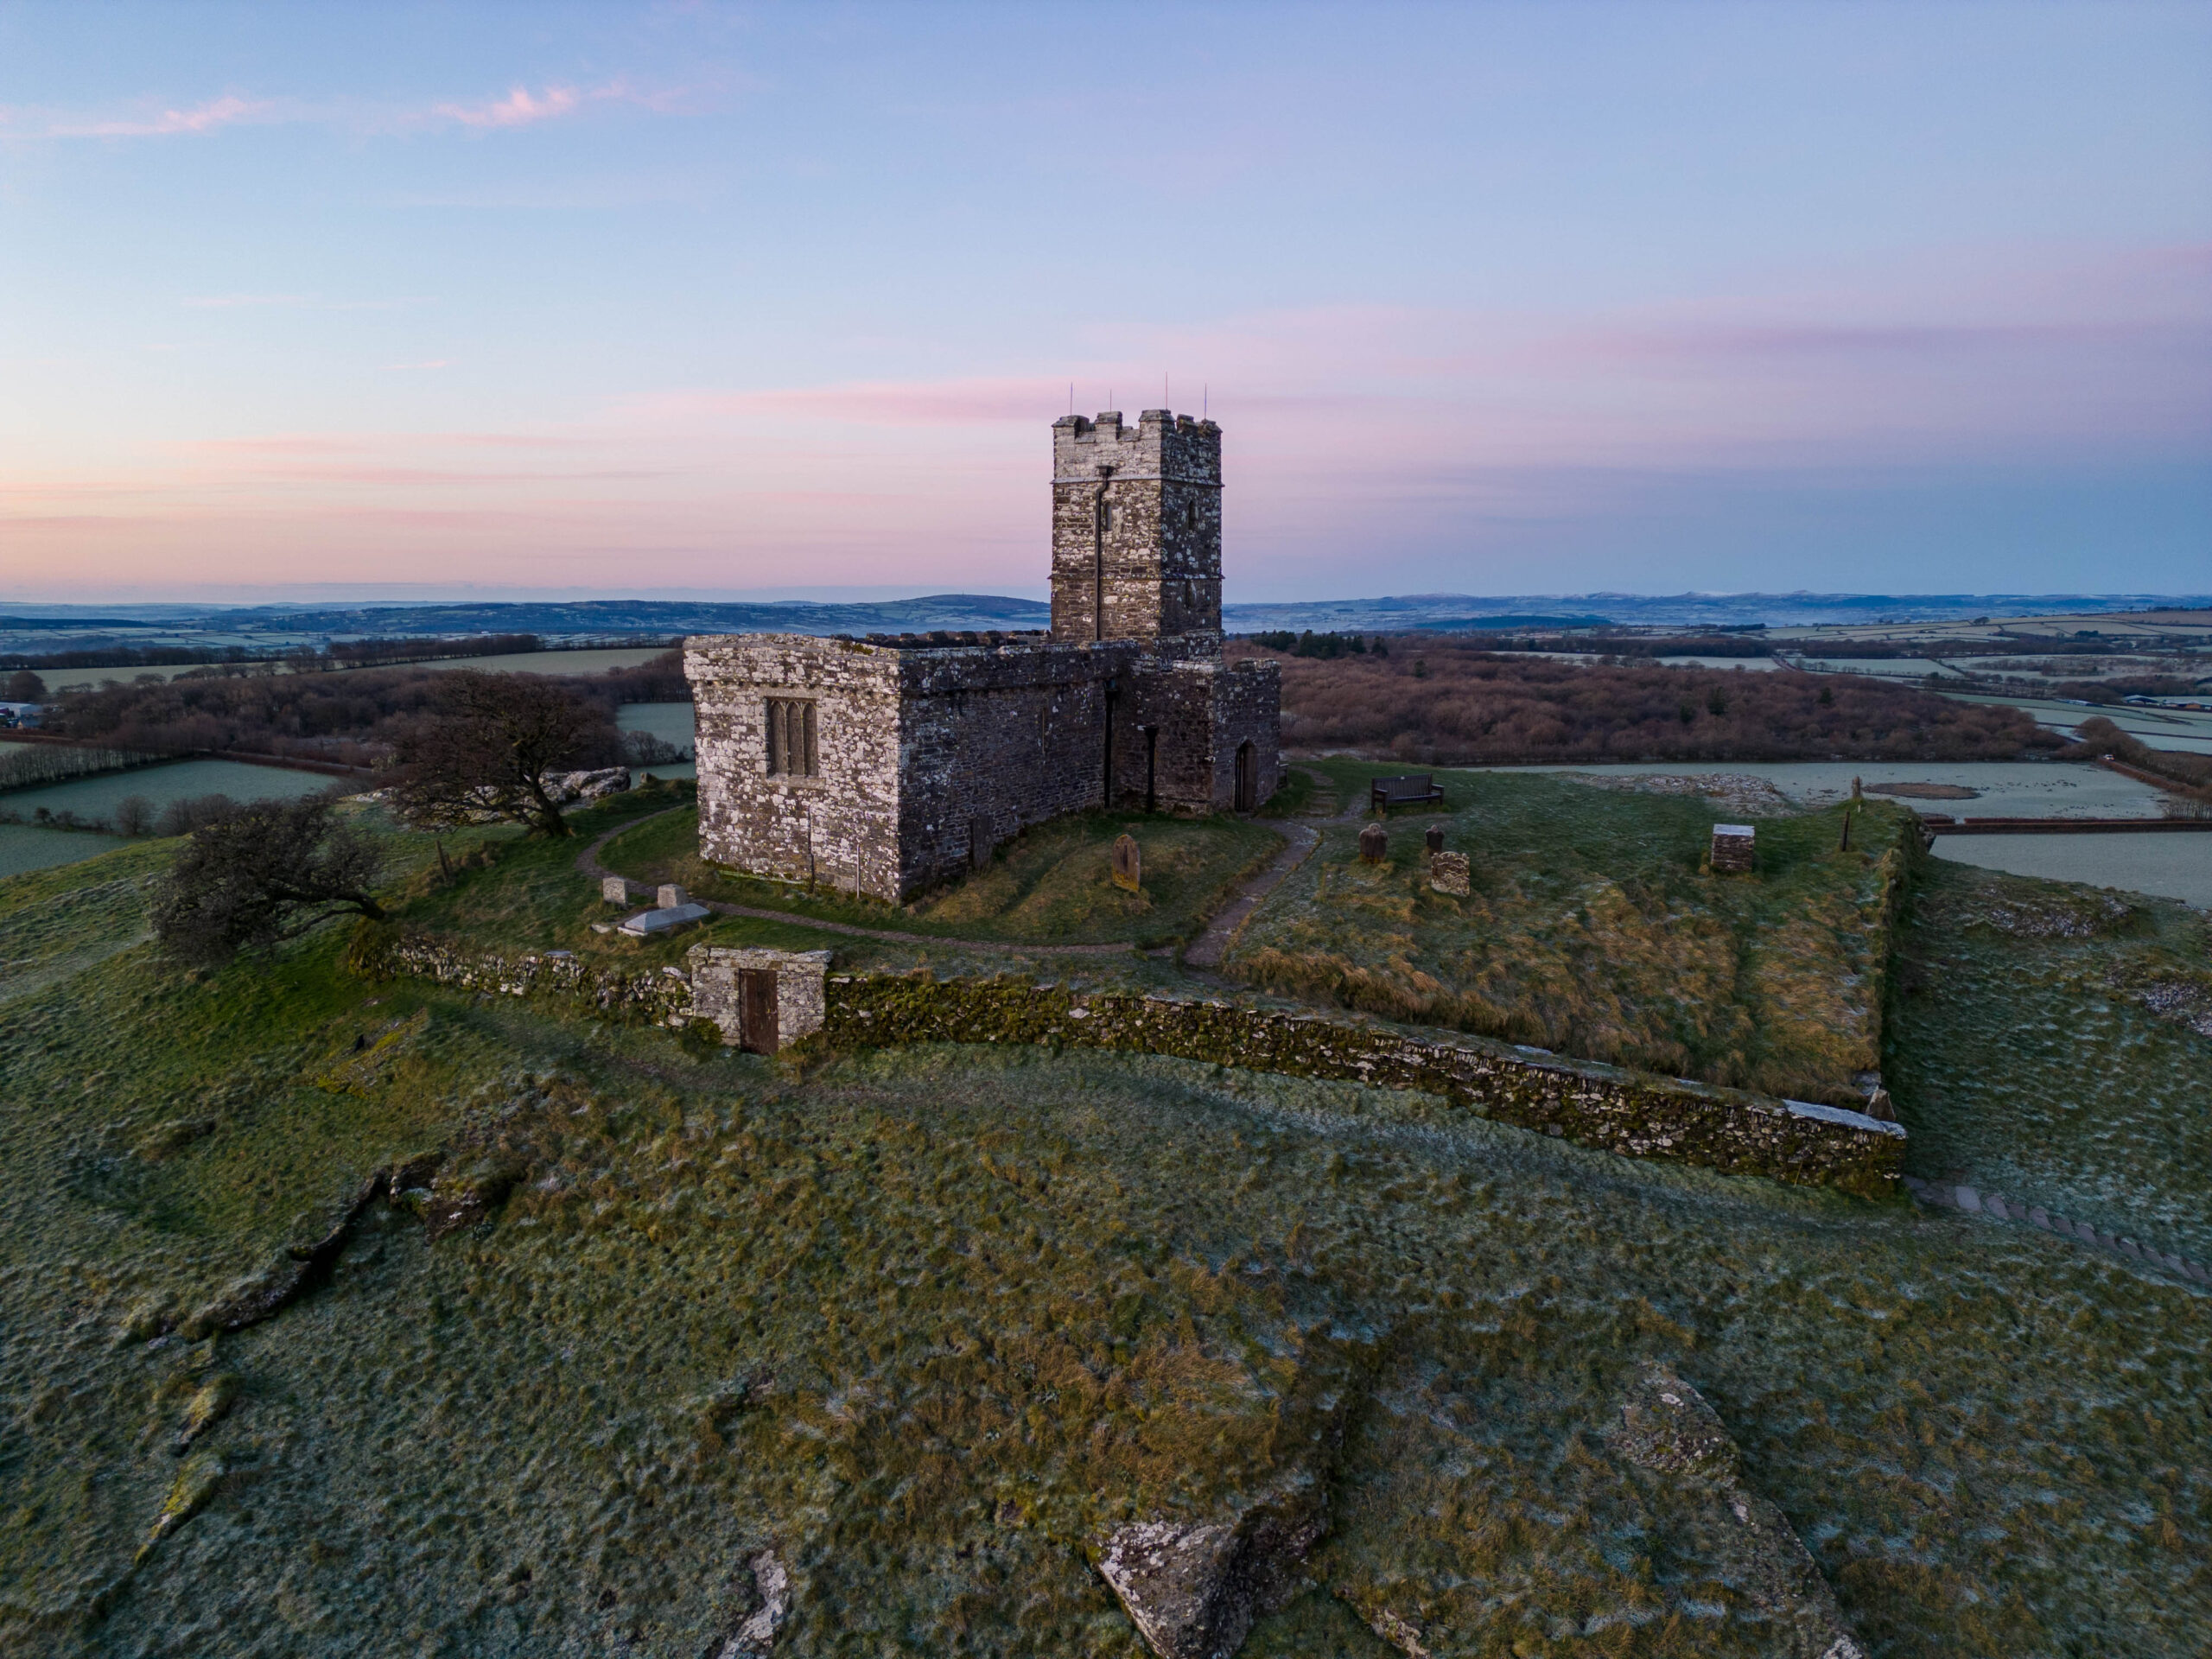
(1207, 949)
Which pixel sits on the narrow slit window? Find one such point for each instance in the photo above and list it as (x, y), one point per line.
(791, 748)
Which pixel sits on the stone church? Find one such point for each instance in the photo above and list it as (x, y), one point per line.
(889, 764)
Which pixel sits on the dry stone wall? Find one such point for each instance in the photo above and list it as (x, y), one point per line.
(1641, 1117)
(661, 997)
(1618, 1111)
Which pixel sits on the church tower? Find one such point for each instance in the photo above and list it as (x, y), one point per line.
(1136, 532)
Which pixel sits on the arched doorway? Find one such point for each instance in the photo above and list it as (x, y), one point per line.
(1248, 779)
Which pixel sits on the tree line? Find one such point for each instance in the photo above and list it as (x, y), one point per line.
(1445, 703)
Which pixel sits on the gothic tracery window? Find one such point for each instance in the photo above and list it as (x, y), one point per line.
(791, 749)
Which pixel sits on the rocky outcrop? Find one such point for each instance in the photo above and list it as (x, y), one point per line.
(464, 1195)
(1666, 1427)
(1194, 1588)
(291, 1276)
(767, 1607)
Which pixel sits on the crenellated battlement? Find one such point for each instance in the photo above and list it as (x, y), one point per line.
(1161, 443)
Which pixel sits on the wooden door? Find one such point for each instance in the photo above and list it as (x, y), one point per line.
(1248, 779)
(756, 1010)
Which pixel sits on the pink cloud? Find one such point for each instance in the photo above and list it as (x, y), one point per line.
(227, 111)
(517, 109)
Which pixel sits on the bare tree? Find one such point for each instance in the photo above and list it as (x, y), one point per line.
(259, 875)
(492, 748)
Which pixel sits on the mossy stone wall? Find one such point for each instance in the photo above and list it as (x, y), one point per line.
(660, 996)
(1626, 1112)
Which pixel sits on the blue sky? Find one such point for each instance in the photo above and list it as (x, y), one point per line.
(1488, 298)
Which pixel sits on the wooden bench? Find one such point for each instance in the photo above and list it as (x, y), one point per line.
(1415, 789)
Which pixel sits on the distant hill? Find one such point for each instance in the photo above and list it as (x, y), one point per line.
(1469, 612)
(655, 617)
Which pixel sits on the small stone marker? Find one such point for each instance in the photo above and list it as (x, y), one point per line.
(615, 889)
(1732, 849)
(1374, 843)
(1447, 873)
(1128, 864)
(1434, 838)
(671, 897)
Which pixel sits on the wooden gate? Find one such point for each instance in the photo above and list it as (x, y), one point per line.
(756, 1010)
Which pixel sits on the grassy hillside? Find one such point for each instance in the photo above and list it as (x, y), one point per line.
(2053, 1044)
(925, 1323)
(1593, 929)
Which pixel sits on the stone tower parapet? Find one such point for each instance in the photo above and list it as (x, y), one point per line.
(1136, 531)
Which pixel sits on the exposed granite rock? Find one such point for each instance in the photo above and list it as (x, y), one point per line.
(767, 1607)
(1179, 1582)
(1666, 1427)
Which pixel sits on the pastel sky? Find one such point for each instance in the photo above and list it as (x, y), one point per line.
(1505, 298)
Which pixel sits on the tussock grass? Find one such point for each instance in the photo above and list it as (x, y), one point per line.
(2026, 1060)
(1595, 930)
(1051, 884)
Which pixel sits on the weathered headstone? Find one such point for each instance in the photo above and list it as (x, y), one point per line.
(1732, 849)
(615, 889)
(1435, 838)
(1128, 864)
(672, 897)
(1375, 843)
(1447, 873)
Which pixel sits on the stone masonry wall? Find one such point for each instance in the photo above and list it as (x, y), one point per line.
(840, 828)
(1200, 712)
(993, 738)
(925, 755)
(1624, 1112)
(799, 975)
(1162, 544)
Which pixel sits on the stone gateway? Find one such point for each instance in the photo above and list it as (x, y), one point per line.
(886, 765)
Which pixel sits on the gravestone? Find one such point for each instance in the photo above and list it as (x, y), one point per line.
(1128, 863)
(671, 897)
(1374, 843)
(1435, 838)
(615, 889)
(1732, 849)
(1447, 873)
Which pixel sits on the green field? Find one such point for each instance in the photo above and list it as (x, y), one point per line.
(1593, 929)
(929, 1323)
(1050, 884)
